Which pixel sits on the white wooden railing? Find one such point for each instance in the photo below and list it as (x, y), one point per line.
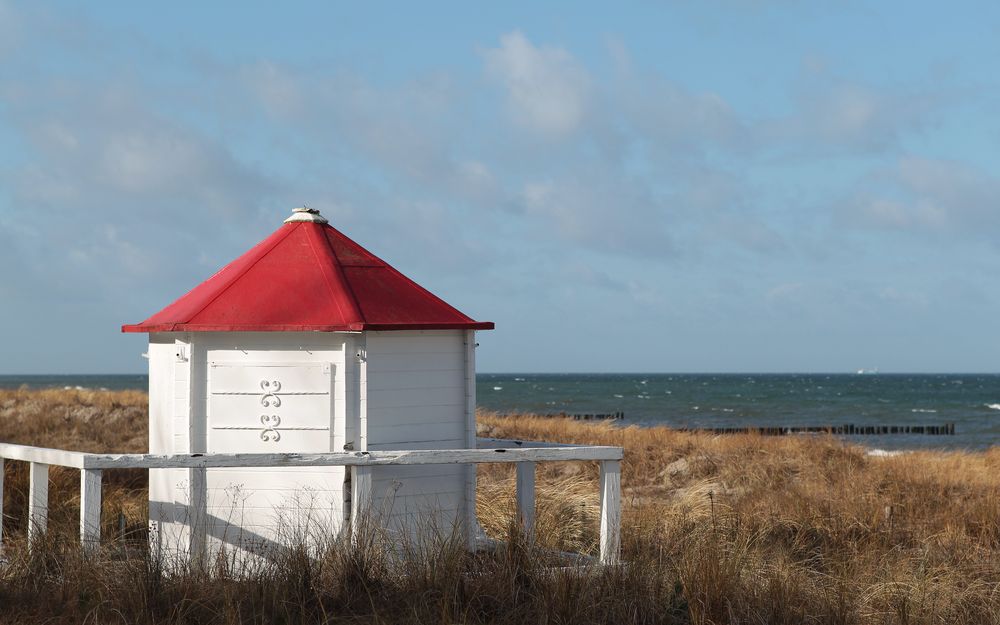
(524, 453)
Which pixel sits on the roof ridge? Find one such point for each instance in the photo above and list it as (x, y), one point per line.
(340, 269)
(314, 233)
(388, 266)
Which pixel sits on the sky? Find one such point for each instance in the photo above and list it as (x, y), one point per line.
(713, 186)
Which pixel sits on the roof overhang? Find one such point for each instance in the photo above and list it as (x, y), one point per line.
(362, 327)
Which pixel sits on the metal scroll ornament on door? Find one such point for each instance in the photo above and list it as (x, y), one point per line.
(270, 432)
(270, 399)
(270, 396)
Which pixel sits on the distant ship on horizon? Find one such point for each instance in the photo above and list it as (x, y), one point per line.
(868, 371)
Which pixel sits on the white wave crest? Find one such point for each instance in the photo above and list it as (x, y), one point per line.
(993, 406)
(922, 410)
(882, 453)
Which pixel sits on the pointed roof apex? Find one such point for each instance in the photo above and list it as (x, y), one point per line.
(306, 214)
(307, 276)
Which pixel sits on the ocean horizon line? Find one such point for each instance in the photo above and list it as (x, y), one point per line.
(632, 373)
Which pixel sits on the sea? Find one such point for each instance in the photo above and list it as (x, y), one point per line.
(970, 401)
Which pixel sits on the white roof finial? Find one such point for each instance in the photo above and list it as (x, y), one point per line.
(306, 214)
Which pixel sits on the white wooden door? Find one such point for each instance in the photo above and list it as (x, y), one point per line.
(274, 407)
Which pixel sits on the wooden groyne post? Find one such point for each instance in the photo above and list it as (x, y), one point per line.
(618, 415)
(848, 429)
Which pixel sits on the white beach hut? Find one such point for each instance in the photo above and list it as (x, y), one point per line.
(308, 343)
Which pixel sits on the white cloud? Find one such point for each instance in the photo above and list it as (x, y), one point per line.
(578, 273)
(930, 196)
(836, 114)
(10, 28)
(670, 117)
(748, 232)
(785, 290)
(602, 213)
(547, 89)
(120, 198)
(275, 88)
(411, 131)
(144, 169)
(904, 298)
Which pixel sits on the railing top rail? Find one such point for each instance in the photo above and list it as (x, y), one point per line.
(44, 455)
(514, 443)
(82, 460)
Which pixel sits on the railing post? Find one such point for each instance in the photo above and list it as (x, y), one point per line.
(38, 500)
(472, 530)
(90, 509)
(361, 500)
(526, 497)
(1, 506)
(197, 515)
(611, 510)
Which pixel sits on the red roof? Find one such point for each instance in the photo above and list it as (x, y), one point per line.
(307, 276)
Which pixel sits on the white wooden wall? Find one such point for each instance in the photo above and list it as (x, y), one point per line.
(167, 529)
(416, 399)
(206, 394)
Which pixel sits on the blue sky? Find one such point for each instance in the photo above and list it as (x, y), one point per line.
(662, 186)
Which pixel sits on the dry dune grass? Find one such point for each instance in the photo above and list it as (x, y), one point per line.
(802, 529)
(82, 420)
(717, 529)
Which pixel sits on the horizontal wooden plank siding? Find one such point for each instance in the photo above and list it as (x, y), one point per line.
(419, 431)
(406, 363)
(416, 400)
(410, 397)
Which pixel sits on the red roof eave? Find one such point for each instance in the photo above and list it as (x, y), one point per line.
(471, 325)
(354, 327)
